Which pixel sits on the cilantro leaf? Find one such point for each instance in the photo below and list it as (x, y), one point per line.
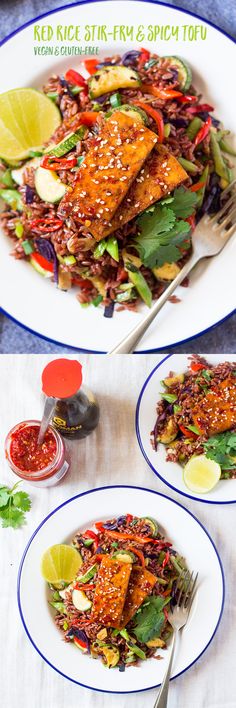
(150, 620)
(22, 501)
(184, 202)
(13, 506)
(11, 516)
(222, 449)
(160, 237)
(4, 496)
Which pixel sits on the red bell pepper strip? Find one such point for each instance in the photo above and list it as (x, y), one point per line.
(49, 162)
(123, 536)
(88, 118)
(196, 366)
(187, 433)
(160, 93)
(94, 536)
(166, 559)
(192, 221)
(156, 115)
(91, 65)
(129, 518)
(75, 79)
(139, 554)
(46, 224)
(200, 108)
(197, 186)
(165, 613)
(42, 262)
(91, 534)
(203, 132)
(185, 98)
(80, 643)
(143, 57)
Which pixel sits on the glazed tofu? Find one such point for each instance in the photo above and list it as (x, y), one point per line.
(216, 412)
(110, 593)
(140, 586)
(160, 174)
(107, 173)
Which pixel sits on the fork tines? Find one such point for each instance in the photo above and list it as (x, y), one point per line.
(185, 588)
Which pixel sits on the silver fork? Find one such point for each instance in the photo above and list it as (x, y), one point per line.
(208, 239)
(177, 617)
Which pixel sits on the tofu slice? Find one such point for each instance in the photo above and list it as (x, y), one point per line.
(216, 412)
(107, 172)
(160, 174)
(140, 586)
(110, 592)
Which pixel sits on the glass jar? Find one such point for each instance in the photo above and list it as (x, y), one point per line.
(47, 474)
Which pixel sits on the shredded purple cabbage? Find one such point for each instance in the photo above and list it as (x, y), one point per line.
(65, 85)
(46, 249)
(75, 632)
(129, 57)
(29, 194)
(107, 63)
(110, 525)
(121, 520)
(103, 98)
(179, 122)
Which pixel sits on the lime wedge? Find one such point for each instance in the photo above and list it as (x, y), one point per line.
(60, 564)
(201, 474)
(28, 118)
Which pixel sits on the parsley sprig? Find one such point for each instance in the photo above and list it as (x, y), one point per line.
(163, 229)
(13, 505)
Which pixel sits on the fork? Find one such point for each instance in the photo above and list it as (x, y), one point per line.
(208, 239)
(178, 616)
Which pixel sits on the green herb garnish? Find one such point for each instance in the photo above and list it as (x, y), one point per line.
(222, 449)
(163, 230)
(149, 622)
(13, 506)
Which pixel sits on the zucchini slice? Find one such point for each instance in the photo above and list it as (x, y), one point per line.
(111, 78)
(184, 71)
(81, 601)
(152, 525)
(67, 144)
(88, 575)
(48, 185)
(137, 114)
(124, 556)
(18, 173)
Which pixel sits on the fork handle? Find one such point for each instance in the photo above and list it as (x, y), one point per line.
(162, 698)
(129, 342)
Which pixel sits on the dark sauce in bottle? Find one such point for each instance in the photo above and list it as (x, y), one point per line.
(76, 416)
(76, 412)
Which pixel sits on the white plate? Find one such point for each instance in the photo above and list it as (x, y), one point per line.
(171, 472)
(35, 302)
(188, 536)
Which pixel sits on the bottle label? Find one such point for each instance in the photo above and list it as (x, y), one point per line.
(61, 424)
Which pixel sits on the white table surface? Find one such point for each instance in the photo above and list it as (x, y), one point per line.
(110, 455)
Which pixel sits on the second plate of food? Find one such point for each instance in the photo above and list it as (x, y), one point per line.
(185, 424)
(120, 581)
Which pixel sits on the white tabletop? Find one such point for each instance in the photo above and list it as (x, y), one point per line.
(110, 455)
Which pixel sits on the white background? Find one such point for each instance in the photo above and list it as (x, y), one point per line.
(110, 456)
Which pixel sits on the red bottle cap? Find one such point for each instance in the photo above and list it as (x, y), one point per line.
(62, 378)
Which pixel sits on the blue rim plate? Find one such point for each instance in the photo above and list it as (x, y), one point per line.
(189, 536)
(110, 333)
(168, 472)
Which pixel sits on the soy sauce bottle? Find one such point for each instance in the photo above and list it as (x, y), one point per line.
(76, 412)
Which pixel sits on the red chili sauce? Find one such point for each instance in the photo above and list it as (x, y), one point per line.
(26, 454)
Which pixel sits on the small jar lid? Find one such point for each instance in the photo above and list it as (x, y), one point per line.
(62, 378)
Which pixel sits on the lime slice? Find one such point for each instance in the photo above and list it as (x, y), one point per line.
(201, 474)
(28, 118)
(60, 564)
